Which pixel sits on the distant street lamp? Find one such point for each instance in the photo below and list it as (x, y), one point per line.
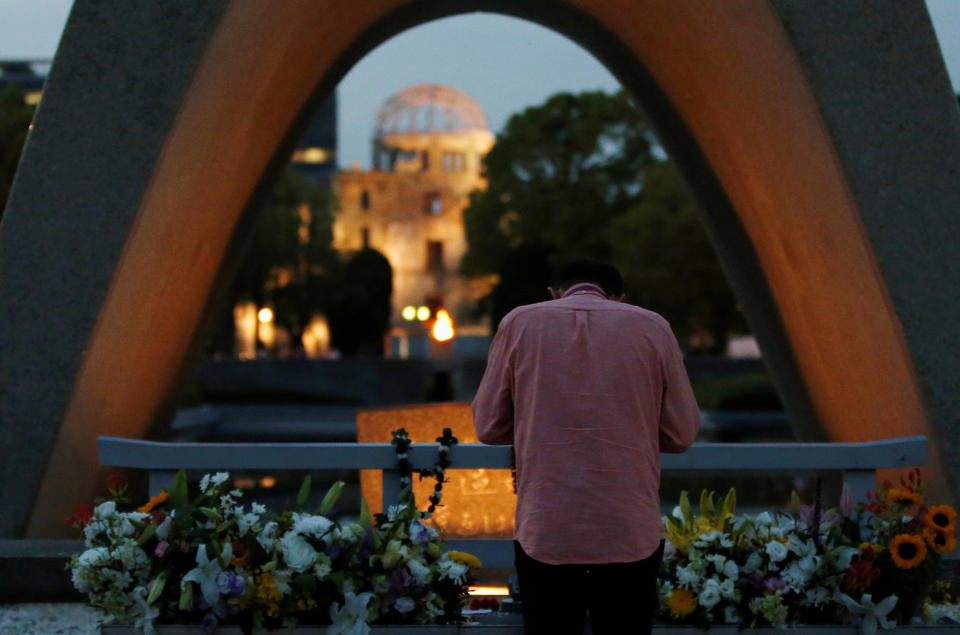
(409, 313)
(265, 315)
(423, 314)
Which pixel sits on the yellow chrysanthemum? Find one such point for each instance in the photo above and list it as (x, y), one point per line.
(907, 550)
(681, 603)
(940, 540)
(465, 558)
(941, 517)
(154, 501)
(267, 593)
(904, 496)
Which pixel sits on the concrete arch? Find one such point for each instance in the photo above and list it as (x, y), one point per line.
(162, 127)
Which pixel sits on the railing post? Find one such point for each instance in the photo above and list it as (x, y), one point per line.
(391, 489)
(160, 480)
(860, 482)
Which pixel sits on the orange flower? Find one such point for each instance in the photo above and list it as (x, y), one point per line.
(156, 500)
(940, 540)
(907, 550)
(941, 517)
(904, 495)
(240, 555)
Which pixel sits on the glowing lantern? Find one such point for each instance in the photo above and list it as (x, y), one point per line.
(423, 314)
(265, 316)
(409, 313)
(443, 327)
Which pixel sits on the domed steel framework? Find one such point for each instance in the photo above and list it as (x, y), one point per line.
(429, 108)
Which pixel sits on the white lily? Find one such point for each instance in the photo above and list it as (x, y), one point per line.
(206, 572)
(870, 614)
(150, 613)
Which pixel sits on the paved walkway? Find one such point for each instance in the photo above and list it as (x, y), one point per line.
(47, 619)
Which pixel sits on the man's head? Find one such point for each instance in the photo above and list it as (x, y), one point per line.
(599, 273)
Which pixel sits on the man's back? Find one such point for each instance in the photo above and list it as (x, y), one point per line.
(589, 391)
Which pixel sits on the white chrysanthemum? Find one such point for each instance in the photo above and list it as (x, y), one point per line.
(731, 616)
(727, 590)
(420, 571)
(220, 477)
(776, 550)
(268, 537)
(753, 563)
(311, 525)
(687, 578)
(94, 557)
(452, 570)
(763, 518)
(130, 555)
(258, 509)
(710, 595)
(669, 551)
(816, 596)
(297, 552)
(204, 483)
(731, 570)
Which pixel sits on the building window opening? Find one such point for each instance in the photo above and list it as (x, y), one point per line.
(365, 199)
(454, 162)
(425, 161)
(432, 204)
(434, 255)
(366, 237)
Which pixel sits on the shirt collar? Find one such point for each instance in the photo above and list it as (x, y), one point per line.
(585, 287)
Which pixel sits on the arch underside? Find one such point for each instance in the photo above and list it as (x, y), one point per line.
(747, 129)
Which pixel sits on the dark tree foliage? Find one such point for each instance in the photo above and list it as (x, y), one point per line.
(360, 315)
(15, 118)
(578, 177)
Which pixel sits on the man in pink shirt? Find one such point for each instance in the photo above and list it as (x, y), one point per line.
(589, 391)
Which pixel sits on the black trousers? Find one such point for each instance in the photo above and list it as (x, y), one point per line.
(621, 596)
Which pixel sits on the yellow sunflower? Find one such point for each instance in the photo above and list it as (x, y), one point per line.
(681, 603)
(465, 558)
(907, 550)
(942, 517)
(940, 540)
(904, 496)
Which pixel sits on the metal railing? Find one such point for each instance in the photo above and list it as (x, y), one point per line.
(858, 462)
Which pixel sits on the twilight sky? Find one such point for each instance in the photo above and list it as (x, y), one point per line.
(505, 63)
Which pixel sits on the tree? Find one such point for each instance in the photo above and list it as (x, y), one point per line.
(579, 177)
(360, 314)
(289, 263)
(15, 118)
(556, 176)
(668, 264)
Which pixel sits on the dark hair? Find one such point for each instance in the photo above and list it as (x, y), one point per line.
(596, 271)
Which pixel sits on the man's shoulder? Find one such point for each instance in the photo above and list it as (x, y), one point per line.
(536, 311)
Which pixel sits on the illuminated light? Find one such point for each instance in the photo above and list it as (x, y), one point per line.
(423, 314)
(443, 327)
(267, 482)
(409, 313)
(311, 155)
(265, 316)
(244, 483)
(32, 98)
(489, 590)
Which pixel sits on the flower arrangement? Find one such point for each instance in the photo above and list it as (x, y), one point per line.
(872, 564)
(212, 560)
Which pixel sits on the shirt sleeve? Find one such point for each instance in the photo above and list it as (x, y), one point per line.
(493, 404)
(679, 412)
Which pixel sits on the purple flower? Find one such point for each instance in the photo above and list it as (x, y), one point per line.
(367, 540)
(229, 583)
(420, 532)
(401, 578)
(404, 604)
(774, 584)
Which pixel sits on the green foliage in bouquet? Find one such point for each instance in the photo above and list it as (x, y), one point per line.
(210, 560)
(872, 564)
